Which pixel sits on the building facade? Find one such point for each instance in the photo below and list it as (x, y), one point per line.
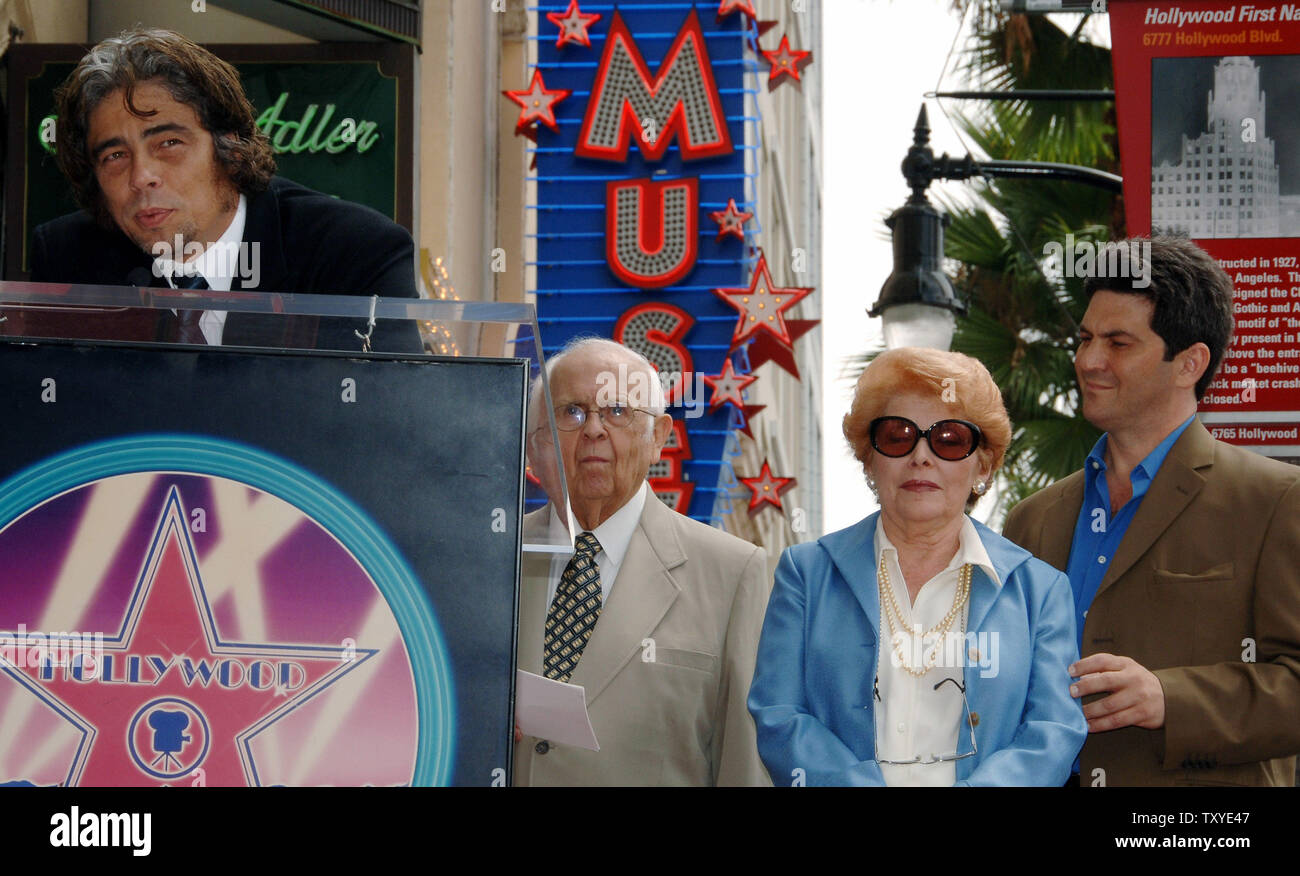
(1225, 183)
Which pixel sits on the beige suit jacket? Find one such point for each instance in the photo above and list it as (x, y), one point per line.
(1204, 592)
(668, 667)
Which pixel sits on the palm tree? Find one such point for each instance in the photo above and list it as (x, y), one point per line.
(1023, 318)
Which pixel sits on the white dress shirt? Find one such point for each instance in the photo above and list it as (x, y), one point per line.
(912, 716)
(219, 265)
(614, 535)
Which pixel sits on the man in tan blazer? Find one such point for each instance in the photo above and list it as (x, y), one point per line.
(677, 609)
(1183, 551)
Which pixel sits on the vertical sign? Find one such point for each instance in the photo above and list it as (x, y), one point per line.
(1208, 138)
(651, 142)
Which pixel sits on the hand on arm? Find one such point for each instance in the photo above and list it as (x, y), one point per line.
(1052, 729)
(1135, 698)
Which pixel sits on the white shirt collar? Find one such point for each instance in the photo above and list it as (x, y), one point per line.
(615, 533)
(218, 263)
(970, 548)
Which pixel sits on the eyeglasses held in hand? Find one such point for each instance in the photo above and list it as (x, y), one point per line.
(948, 439)
(572, 417)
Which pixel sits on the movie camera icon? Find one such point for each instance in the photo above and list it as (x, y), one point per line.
(171, 734)
(168, 735)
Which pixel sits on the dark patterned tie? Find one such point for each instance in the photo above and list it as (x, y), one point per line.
(190, 333)
(574, 611)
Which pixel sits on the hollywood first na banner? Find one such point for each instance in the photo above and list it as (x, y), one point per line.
(1209, 139)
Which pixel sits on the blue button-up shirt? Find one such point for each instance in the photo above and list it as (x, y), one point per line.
(1097, 536)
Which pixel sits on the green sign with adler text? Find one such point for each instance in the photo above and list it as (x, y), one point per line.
(292, 136)
(333, 125)
(285, 135)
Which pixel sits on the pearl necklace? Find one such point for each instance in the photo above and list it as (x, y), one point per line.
(894, 616)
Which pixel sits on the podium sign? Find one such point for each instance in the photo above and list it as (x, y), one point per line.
(233, 567)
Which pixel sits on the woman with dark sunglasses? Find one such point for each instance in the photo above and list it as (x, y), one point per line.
(918, 647)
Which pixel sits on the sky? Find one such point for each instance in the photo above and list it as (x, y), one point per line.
(879, 58)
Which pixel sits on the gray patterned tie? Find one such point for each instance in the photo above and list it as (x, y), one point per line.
(574, 610)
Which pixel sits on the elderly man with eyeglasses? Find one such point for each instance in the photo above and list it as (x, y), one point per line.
(656, 615)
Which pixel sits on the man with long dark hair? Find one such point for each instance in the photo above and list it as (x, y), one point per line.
(177, 186)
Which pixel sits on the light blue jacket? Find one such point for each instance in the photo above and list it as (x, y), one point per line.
(812, 700)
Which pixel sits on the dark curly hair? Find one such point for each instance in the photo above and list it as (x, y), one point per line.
(192, 75)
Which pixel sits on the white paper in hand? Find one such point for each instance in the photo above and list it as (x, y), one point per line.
(553, 710)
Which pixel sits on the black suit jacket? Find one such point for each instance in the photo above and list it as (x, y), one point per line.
(307, 243)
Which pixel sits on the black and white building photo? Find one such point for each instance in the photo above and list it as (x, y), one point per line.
(1220, 164)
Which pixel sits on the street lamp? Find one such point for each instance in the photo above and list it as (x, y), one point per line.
(917, 301)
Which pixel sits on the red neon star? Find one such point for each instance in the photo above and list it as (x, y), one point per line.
(767, 348)
(538, 103)
(727, 387)
(748, 412)
(726, 7)
(767, 488)
(573, 24)
(761, 305)
(786, 62)
(755, 34)
(731, 220)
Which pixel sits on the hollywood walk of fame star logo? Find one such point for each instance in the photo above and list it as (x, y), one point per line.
(573, 24)
(761, 305)
(169, 696)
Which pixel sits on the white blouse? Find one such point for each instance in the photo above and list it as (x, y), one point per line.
(913, 718)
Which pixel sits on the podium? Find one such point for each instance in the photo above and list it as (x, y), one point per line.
(252, 566)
